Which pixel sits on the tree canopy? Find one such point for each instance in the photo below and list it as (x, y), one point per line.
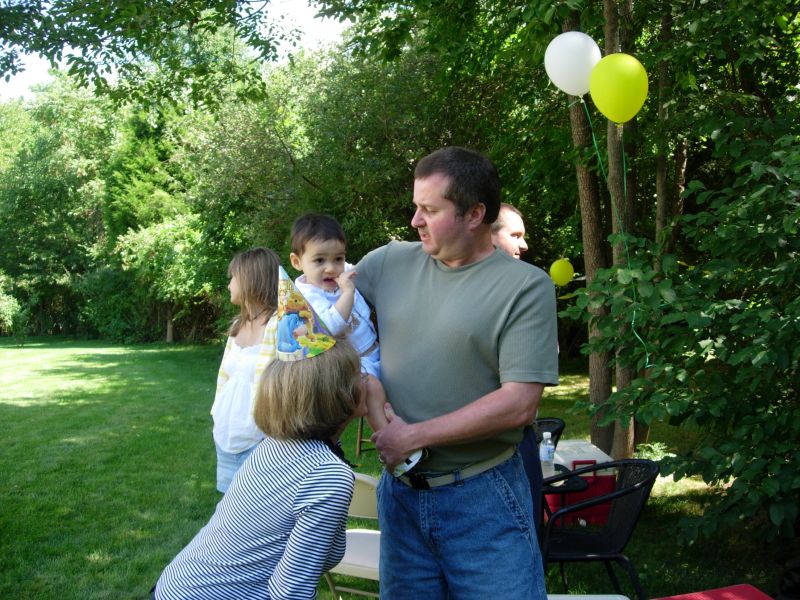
(119, 219)
(134, 40)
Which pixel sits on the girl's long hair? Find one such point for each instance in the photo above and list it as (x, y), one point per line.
(256, 271)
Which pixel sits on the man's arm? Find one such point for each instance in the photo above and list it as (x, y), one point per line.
(513, 405)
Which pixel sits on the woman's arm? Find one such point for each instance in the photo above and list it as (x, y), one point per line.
(317, 541)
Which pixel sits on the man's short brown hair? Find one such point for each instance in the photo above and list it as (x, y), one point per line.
(473, 179)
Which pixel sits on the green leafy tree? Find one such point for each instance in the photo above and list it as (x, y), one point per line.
(10, 308)
(702, 315)
(142, 186)
(15, 122)
(116, 306)
(168, 260)
(135, 39)
(50, 214)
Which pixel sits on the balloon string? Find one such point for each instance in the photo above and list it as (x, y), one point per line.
(647, 362)
(594, 141)
(616, 214)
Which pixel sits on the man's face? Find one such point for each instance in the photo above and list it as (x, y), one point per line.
(510, 238)
(442, 232)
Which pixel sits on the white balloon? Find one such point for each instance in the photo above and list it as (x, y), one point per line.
(569, 60)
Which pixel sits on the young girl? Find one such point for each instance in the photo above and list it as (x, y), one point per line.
(281, 525)
(251, 346)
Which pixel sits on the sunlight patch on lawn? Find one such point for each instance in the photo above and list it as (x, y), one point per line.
(99, 557)
(54, 400)
(83, 440)
(569, 385)
(667, 486)
(61, 371)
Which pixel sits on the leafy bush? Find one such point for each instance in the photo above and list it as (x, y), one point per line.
(715, 342)
(168, 263)
(116, 308)
(9, 307)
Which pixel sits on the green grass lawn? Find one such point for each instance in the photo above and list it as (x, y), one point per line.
(109, 471)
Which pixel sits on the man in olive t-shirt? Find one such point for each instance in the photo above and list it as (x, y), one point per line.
(467, 344)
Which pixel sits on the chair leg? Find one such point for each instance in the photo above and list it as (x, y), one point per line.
(331, 585)
(563, 577)
(613, 577)
(359, 435)
(623, 560)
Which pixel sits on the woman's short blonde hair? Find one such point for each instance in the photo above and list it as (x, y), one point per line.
(309, 398)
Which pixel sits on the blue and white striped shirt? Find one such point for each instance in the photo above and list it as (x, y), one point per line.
(280, 526)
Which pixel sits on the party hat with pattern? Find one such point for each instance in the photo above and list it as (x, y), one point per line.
(301, 333)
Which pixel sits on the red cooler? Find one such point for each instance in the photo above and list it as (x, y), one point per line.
(575, 454)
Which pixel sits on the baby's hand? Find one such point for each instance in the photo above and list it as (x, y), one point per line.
(345, 281)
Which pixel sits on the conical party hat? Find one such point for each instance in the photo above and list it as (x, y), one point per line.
(301, 333)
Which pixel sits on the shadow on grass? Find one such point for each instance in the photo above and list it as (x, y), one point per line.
(109, 472)
(109, 465)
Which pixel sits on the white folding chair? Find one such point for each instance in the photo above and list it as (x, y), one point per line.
(363, 545)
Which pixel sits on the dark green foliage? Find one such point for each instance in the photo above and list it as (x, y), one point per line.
(718, 337)
(141, 189)
(10, 308)
(49, 209)
(707, 316)
(167, 263)
(116, 307)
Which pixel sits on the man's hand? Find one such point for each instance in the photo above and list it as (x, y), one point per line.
(391, 442)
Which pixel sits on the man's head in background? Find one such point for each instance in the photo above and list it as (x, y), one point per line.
(508, 231)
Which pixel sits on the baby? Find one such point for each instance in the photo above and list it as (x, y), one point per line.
(318, 250)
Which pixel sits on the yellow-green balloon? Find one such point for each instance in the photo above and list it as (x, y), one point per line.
(618, 86)
(561, 272)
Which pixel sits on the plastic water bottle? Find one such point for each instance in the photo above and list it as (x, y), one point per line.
(547, 454)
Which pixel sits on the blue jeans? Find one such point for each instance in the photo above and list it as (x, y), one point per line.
(228, 464)
(473, 539)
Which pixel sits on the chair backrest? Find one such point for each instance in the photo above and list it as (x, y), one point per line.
(364, 504)
(636, 477)
(634, 481)
(552, 424)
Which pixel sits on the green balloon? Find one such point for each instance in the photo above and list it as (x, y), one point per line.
(618, 86)
(561, 272)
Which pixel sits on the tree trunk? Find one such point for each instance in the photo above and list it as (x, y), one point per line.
(593, 239)
(664, 198)
(622, 446)
(170, 333)
(678, 184)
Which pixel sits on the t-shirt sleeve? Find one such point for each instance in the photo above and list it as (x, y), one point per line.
(317, 541)
(370, 269)
(528, 350)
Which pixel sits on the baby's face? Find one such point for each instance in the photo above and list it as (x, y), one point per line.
(321, 262)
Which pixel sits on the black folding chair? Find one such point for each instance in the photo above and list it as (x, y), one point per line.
(552, 424)
(568, 538)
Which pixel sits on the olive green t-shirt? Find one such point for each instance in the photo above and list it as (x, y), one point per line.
(449, 336)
